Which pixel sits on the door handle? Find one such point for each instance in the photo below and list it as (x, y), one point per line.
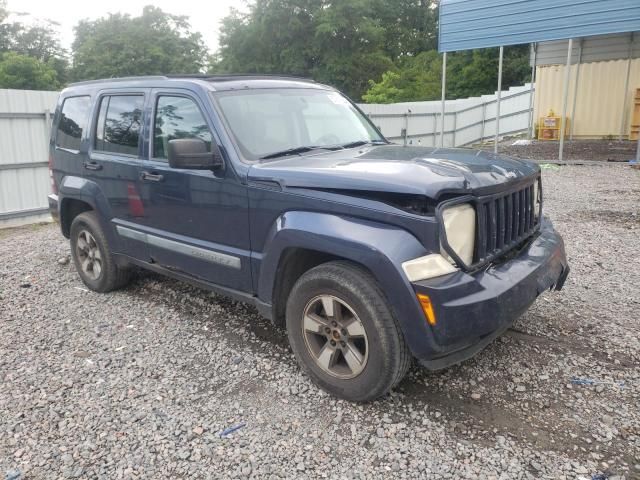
(92, 166)
(151, 177)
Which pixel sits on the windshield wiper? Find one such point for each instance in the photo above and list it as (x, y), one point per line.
(360, 143)
(292, 151)
(309, 148)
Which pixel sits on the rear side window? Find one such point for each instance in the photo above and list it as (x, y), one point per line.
(119, 124)
(73, 118)
(177, 117)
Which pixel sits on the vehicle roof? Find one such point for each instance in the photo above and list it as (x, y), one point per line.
(211, 82)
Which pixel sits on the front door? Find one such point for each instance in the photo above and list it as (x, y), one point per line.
(196, 220)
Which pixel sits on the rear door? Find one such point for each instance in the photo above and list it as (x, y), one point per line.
(197, 220)
(114, 160)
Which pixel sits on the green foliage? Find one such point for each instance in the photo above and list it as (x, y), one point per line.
(418, 78)
(342, 42)
(25, 72)
(33, 51)
(375, 50)
(469, 73)
(121, 45)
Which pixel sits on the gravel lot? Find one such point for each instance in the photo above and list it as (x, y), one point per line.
(139, 383)
(577, 150)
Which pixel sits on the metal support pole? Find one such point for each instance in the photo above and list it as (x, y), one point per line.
(484, 116)
(565, 94)
(534, 48)
(455, 125)
(434, 137)
(495, 140)
(575, 91)
(444, 89)
(406, 127)
(623, 117)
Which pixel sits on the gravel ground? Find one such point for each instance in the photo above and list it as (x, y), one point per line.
(139, 383)
(592, 150)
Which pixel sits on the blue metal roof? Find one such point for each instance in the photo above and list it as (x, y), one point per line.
(468, 24)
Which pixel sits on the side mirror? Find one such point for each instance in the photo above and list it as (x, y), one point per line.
(192, 154)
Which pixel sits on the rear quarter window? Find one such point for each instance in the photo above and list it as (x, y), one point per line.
(73, 120)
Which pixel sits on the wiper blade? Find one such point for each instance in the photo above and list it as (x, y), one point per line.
(309, 148)
(291, 151)
(360, 143)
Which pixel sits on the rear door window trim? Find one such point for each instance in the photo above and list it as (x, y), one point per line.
(96, 118)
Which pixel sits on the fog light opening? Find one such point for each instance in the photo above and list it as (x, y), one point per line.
(427, 308)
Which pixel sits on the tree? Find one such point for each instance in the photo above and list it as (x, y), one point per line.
(469, 73)
(38, 41)
(341, 42)
(24, 72)
(376, 50)
(151, 44)
(276, 36)
(418, 78)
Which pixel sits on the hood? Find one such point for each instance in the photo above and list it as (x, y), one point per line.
(393, 168)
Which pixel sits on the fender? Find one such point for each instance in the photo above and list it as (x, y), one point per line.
(378, 247)
(88, 191)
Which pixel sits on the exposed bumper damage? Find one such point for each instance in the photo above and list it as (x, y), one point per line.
(473, 309)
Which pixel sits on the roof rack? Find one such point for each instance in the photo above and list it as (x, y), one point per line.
(226, 77)
(199, 76)
(119, 79)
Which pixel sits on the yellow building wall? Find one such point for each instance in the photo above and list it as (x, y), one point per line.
(599, 100)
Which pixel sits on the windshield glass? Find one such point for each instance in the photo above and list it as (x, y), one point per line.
(269, 121)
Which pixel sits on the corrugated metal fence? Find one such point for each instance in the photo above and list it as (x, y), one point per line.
(25, 118)
(467, 121)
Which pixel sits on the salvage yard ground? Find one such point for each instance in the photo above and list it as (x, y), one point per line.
(139, 383)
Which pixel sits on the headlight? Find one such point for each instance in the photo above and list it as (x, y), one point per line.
(460, 227)
(429, 266)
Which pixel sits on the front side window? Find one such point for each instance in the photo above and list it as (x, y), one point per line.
(177, 117)
(264, 121)
(119, 124)
(73, 118)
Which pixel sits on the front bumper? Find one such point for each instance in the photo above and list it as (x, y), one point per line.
(473, 309)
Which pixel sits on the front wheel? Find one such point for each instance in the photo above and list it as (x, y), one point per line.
(344, 334)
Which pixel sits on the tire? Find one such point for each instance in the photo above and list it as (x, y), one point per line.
(365, 326)
(92, 256)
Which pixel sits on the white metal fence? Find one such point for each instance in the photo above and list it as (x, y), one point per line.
(467, 121)
(25, 119)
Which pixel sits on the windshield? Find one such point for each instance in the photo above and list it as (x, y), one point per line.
(268, 121)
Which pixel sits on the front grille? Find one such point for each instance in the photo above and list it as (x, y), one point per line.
(503, 222)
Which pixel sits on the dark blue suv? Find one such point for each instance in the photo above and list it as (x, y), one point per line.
(281, 193)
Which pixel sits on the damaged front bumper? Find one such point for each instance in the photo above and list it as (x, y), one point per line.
(473, 309)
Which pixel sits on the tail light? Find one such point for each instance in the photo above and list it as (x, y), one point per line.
(54, 188)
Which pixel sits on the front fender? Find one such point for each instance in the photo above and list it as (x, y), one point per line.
(378, 247)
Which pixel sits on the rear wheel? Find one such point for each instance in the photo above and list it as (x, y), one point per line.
(343, 332)
(92, 257)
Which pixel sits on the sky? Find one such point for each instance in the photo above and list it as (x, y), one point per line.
(204, 16)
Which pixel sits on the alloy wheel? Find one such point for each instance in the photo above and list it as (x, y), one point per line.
(335, 337)
(89, 255)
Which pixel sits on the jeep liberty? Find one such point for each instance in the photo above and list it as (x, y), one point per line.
(280, 192)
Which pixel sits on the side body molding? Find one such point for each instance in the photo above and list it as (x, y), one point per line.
(378, 247)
